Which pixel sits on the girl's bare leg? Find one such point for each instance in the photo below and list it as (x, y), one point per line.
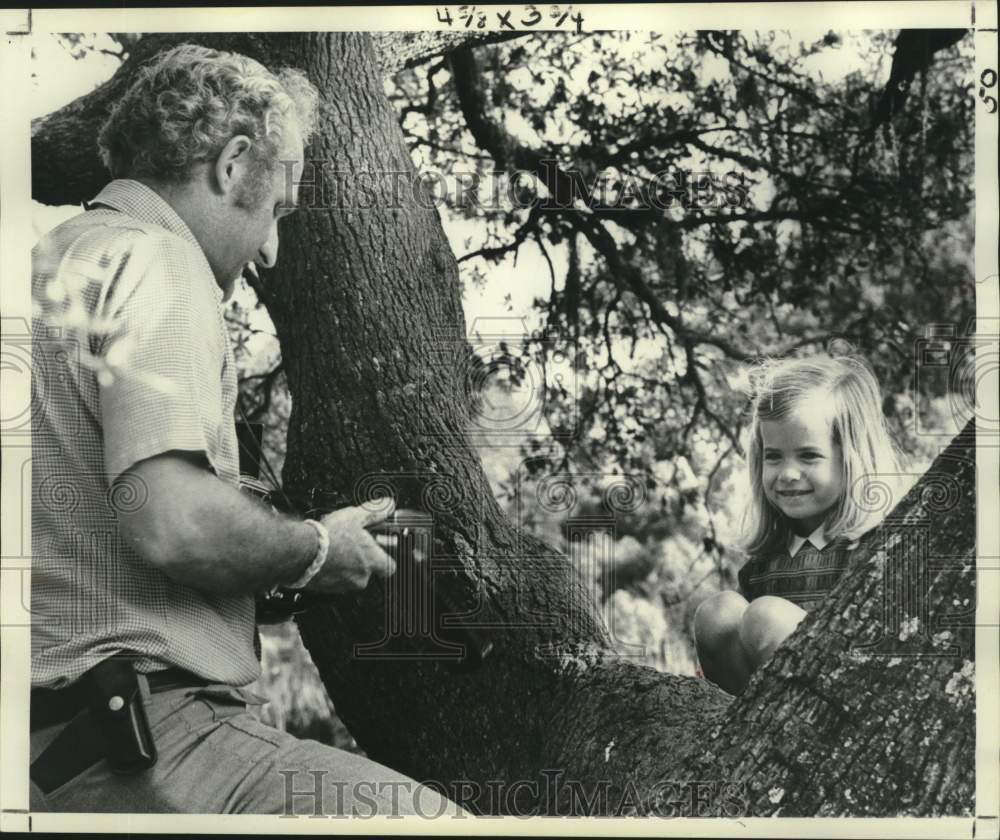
(717, 625)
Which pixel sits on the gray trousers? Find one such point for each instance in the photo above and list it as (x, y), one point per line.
(215, 757)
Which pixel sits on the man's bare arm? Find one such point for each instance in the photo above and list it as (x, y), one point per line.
(204, 533)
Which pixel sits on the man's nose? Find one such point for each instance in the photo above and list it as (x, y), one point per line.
(268, 253)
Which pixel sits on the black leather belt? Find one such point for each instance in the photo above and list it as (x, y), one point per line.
(81, 744)
(50, 706)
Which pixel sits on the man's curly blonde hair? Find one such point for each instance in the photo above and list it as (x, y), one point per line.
(187, 103)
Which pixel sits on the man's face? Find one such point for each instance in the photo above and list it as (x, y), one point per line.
(261, 199)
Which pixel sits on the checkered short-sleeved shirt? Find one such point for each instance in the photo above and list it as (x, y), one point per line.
(130, 359)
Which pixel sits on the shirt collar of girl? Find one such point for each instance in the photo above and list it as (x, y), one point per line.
(817, 538)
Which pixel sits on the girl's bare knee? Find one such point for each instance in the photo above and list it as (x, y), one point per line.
(718, 617)
(766, 623)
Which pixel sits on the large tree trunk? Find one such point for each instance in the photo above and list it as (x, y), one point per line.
(367, 307)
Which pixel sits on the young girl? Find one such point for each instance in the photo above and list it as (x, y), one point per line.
(817, 428)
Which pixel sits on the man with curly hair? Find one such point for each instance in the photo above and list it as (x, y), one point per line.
(146, 556)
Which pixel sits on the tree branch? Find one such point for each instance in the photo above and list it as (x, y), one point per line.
(494, 254)
(914, 53)
(628, 275)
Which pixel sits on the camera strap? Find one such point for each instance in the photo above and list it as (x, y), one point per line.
(256, 453)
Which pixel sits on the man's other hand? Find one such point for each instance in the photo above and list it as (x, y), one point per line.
(355, 554)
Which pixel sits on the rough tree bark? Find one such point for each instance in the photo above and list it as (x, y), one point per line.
(366, 303)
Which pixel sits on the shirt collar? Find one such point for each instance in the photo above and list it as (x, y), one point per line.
(817, 538)
(145, 204)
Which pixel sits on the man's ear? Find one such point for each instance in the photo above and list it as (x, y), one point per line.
(232, 162)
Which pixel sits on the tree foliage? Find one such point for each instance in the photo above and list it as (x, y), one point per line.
(728, 204)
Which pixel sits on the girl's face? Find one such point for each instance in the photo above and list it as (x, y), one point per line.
(802, 466)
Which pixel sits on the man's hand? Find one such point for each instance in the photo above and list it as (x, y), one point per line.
(355, 555)
(203, 533)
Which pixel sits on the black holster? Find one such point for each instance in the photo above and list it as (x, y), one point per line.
(116, 704)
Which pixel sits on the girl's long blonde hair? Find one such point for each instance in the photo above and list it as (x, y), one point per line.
(859, 428)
